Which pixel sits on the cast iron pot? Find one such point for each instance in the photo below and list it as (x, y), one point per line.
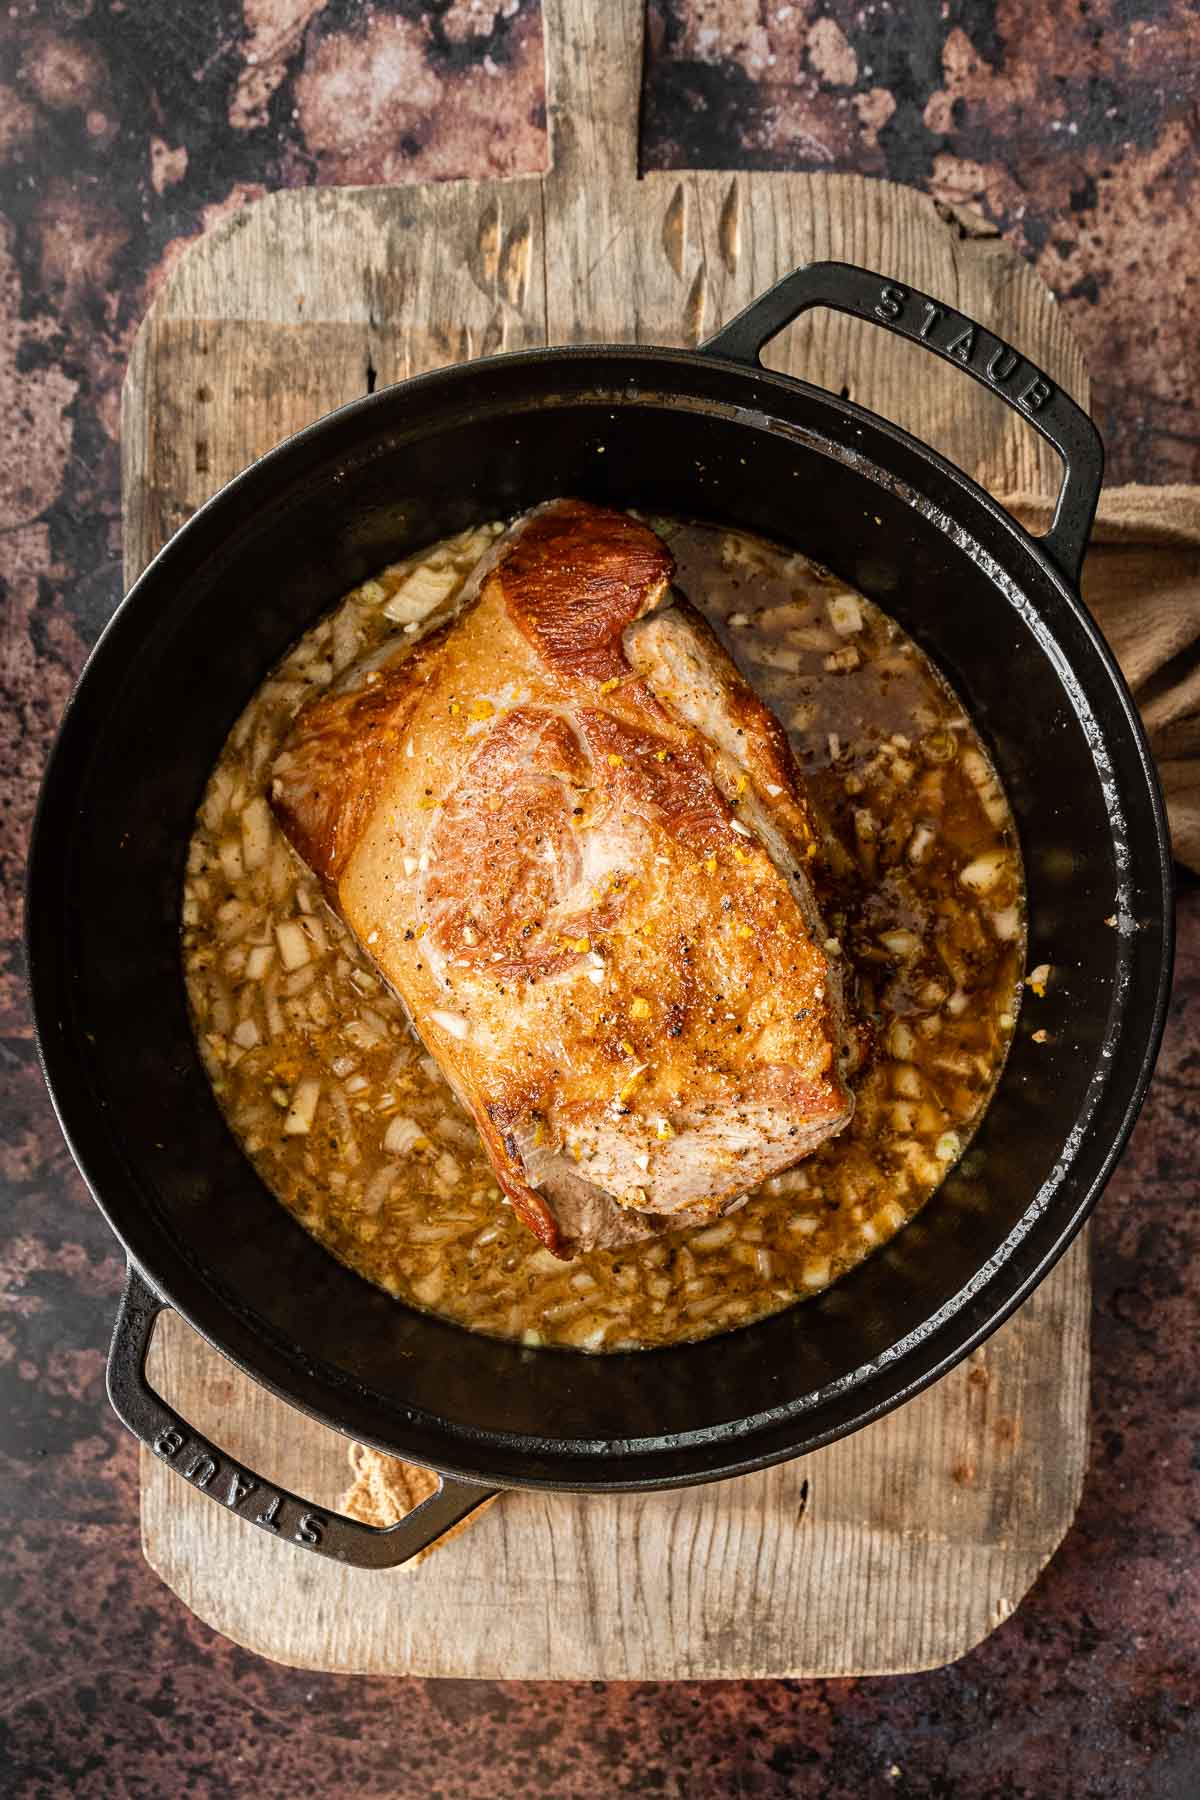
(707, 434)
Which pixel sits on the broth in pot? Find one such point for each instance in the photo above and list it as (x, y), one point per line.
(349, 1122)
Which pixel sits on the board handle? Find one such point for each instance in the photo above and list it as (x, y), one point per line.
(956, 339)
(273, 1509)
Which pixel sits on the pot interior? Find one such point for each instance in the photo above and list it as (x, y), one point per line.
(679, 435)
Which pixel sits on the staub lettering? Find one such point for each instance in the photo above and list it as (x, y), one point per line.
(202, 1471)
(206, 1470)
(1035, 396)
(952, 335)
(268, 1517)
(963, 346)
(1001, 363)
(239, 1486)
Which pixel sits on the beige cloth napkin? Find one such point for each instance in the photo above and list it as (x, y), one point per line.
(1141, 580)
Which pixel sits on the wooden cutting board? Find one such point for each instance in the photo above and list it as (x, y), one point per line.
(904, 1545)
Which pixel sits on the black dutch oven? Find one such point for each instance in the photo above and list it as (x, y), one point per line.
(709, 434)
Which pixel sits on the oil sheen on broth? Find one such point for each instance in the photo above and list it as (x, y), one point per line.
(349, 1122)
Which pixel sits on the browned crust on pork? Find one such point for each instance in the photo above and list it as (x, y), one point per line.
(577, 576)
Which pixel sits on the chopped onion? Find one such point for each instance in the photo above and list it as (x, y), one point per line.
(417, 596)
(845, 614)
(274, 1014)
(448, 1169)
(229, 853)
(1006, 923)
(713, 1236)
(256, 833)
(901, 943)
(587, 1333)
(378, 1188)
(234, 919)
(347, 1142)
(246, 1034)
(303, 1107)
(259, 961)
(991, 795)
(840, 662)
(401, 1135)
(347, 639)
(364, 1034)
(216, 801)
(982, 874)
(813, 637)
(428, 1234)
(816, 1275)
(312, 926)
(293, 944)
(696, 1309)
(788, 662)
(792, 1181)
(777, 618)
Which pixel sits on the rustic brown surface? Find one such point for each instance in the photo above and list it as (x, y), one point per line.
(1071, 129)
(121, 135)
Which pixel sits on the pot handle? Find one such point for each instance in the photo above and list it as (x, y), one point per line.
(957, 339)
(273, 1509)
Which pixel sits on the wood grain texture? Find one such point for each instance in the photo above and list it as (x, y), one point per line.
(902, 1546)
(896, 1549)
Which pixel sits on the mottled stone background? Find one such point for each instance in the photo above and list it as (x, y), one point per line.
(126, 128)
